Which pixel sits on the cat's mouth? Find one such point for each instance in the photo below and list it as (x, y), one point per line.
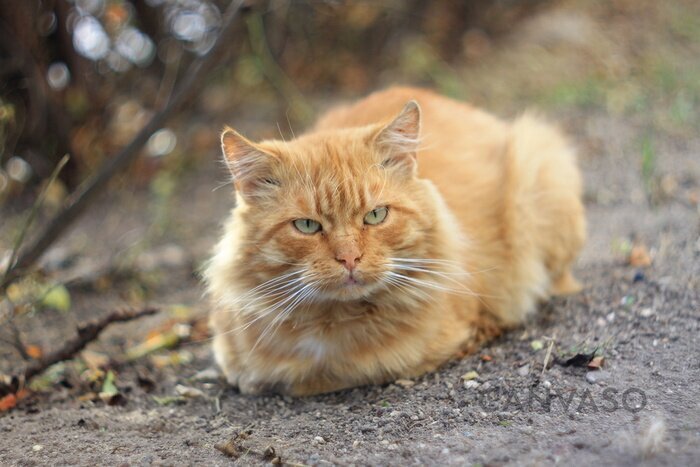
(350, 287)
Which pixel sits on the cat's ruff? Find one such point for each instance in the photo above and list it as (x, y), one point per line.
(383, 242)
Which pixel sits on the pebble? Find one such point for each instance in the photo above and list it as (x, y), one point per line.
(594, 377)
(37, 447)
(319, 439)
(524, 370)
(471, 384)
(646, 312)
(470, 375)
(355, 443)
(404, 383)
(547, 384)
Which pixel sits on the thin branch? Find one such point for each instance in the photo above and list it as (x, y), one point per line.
(86, 333)
(17, 342)
(81, 198)
(32, 214)
(275, 74)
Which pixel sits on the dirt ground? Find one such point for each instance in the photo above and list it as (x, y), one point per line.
(641, 163)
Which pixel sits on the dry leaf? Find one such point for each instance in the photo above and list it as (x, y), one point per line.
(34, 351)
(596, 362)
(639, 257)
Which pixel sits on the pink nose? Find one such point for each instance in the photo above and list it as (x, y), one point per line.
(348, 259)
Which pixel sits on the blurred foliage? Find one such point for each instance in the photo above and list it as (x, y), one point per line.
(83, 76)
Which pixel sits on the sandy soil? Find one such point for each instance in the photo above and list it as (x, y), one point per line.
(640, 408)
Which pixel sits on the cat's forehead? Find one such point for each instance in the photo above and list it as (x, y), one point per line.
(334, 177)
(332, 155)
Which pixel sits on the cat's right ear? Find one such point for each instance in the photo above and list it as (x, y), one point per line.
(250, 165)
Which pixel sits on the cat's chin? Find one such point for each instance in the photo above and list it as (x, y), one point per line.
(350, 291)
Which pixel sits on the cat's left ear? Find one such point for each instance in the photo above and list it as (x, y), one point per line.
(399, 140)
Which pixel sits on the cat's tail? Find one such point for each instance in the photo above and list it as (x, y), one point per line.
(544, 216)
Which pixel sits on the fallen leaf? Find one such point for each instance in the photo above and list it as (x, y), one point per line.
(110, 394)
(57, 298)
(33, 351)
(10, 400)
(108, 386)
(187, 391)
(157, 341)
(596, 362)
(169, 400)
(639, 257)
(470, 375)
(537, 345)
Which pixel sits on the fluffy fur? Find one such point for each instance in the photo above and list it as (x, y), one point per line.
(484, 221)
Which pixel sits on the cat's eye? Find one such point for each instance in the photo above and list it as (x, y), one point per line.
(376, 215)
(307, 226)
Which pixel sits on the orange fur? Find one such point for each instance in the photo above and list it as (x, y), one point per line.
(486, 226)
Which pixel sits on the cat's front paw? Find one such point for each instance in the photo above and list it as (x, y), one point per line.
(251, 385)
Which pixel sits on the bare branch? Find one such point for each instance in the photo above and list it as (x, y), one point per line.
(79, 200)
(86, 333)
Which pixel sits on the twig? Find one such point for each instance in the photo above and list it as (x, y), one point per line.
(275, 74)
(81, 198)
(17, 341)
(548, 355)
(32, 214)
(86, 333)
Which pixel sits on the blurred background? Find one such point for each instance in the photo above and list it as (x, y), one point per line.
(83, 77)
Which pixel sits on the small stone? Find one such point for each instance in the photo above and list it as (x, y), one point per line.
(395, 413)
(404, 383)
(319, 439)
(385, 442)
(547, 384)
(471, 384)
(611, 316)
(37, 447)
(470, 375)
(595, 377)
(646, 312)
(355, 443)
(524, 370)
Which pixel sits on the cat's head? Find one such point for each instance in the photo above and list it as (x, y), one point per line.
(334, 213)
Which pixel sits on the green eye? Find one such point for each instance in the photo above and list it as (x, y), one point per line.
(307, 226)
(376, 216)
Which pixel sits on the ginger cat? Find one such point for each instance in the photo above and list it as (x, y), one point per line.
(384, 242)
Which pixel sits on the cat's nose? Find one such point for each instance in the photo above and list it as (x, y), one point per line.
(349, 259)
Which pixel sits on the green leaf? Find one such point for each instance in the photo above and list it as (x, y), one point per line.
(108, 386)
(57, 298)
